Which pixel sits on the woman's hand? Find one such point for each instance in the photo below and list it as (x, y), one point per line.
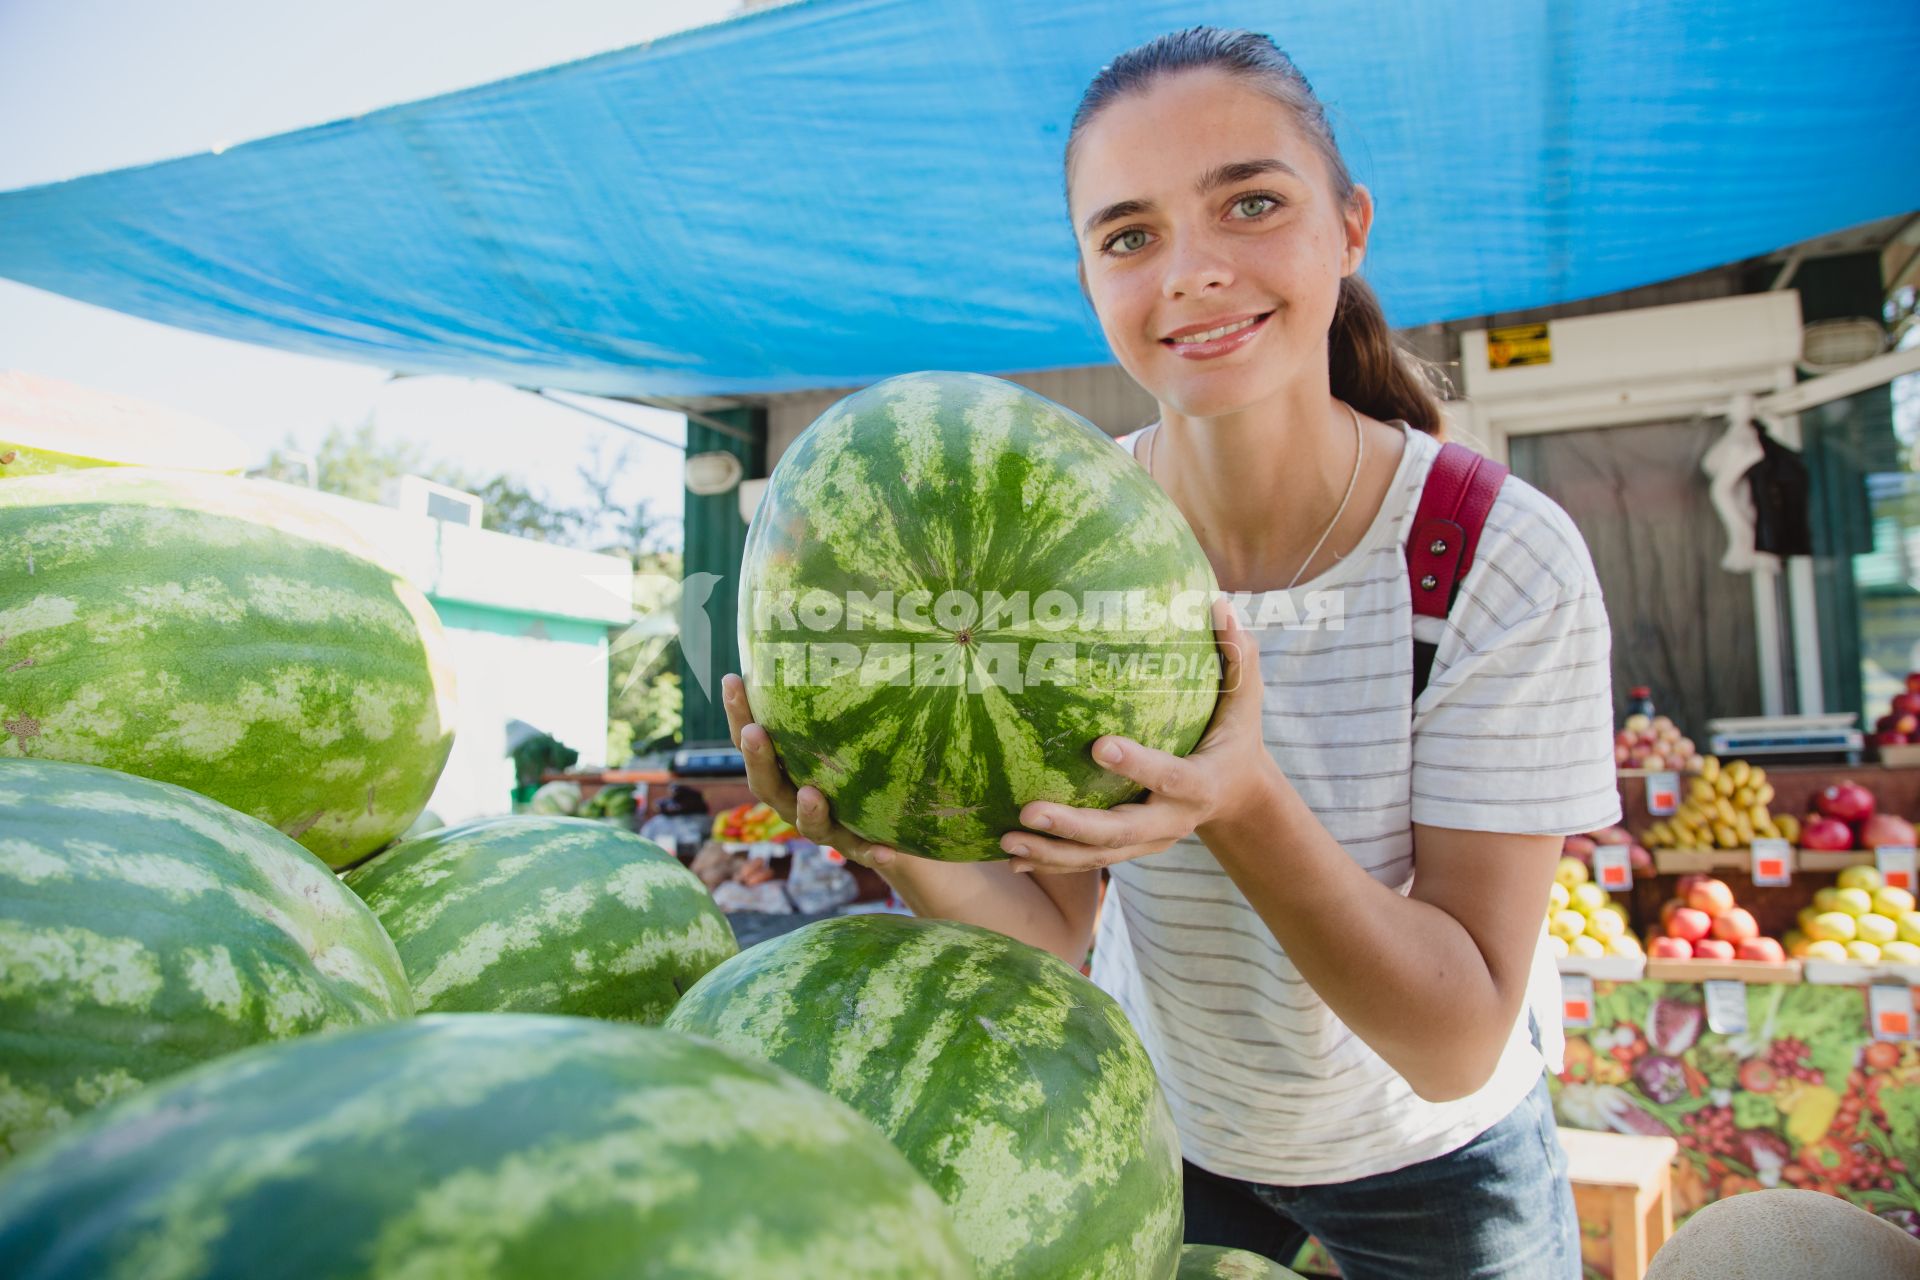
(1228, 770)
(806, 808)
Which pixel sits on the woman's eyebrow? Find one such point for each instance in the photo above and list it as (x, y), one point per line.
(1215, 178)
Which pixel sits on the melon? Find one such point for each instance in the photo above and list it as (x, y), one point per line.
(951, 588)
(225, 635)
(145, 929)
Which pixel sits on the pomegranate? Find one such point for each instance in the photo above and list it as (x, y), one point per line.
(1848, 801)
(1828, 834)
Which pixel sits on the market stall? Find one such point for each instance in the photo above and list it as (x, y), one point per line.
(1796, 1071)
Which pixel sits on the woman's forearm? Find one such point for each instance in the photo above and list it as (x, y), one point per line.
(990, 895)
(1404, 975)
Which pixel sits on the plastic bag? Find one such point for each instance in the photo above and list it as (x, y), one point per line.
(817, 883)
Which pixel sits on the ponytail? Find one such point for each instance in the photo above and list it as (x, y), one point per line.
(1370, 370)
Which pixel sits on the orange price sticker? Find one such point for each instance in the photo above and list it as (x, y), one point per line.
(1772, 863)
(1891, 1011)
(1896, 866)
(1663, 794)
(1576, 1000)
(1613, 867)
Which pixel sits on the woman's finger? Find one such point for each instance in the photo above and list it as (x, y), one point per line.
(1157, 771)
(733, 697)
(1132, 839)
(814, 820)
(765, 778)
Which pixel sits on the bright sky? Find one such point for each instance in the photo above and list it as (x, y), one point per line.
(90, 85)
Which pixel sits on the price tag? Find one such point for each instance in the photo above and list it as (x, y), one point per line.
(1726, 1005)
(1663, 794)
(1612, 867)
(1890, 1012)
(1772, 863)
(1576, 1000)
(1896, 865)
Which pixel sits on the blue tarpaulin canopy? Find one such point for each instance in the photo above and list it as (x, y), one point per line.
(833, 191)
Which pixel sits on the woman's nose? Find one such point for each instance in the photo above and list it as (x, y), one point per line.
(1194, 266)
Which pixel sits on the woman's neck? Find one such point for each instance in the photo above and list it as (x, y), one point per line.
(1260, 486)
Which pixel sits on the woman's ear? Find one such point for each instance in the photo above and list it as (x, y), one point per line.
(1357, 221)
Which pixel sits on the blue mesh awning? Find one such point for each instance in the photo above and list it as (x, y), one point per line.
(830, 192)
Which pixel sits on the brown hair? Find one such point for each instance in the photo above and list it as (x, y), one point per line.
(1366, 366)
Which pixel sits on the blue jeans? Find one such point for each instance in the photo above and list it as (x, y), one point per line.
(1499, 1207)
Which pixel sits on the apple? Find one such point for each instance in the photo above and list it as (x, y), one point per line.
(1625, 944)
(1558, 899)
(1667, 947)
(1823, 833)
(1882, 829)
(1690, 924)
(1622, 757)
(1833, 926)
(1900, 953)
(1860, 876)
(1855, 902)
(1738, 925)
(1909, 923)
(1571, 924)
(1589, 898)
(1557, 945)
(1712, 949)
(1891, 902)
(1877, 929)
(1580, 847)
(1653, 760)
(1864, 952)
(1824, 949)
(1587, 945)
(1847, 801)
(1606, 924)
(1711, 896)
(1766, 950)
(1571, 872)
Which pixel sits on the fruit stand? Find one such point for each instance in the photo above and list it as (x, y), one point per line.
(1796, 1066)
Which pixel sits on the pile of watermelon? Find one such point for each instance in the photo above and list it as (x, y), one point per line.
(260, 1014)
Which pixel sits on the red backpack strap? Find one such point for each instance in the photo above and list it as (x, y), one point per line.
(1454, 503)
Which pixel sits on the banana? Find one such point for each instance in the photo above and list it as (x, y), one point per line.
(1701, 791)
(1727, 837)
(1710, 768)
(1724, 810)
(1738, 771)
(1762, 792)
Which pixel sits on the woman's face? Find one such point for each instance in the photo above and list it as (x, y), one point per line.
(1199, 205)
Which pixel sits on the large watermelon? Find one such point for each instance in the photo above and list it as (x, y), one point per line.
(144, 929)
(1062, 597)
(1215, 1262)
(220, 634)
(1015, 1086)
(544, 915)
(476, 1147)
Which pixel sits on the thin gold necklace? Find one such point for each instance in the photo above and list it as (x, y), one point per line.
(1359, 452)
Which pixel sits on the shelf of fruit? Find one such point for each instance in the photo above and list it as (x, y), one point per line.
(1587, 931)
(1725, 810)
(746, 825)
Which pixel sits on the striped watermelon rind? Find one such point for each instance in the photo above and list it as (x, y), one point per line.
(1216, 1262)
(1016, 1087)
(477, 1146)
(145, 929)
(226, 636)
(959, 483)
(544, 915)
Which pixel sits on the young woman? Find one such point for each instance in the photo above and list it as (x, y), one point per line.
(1323, 922)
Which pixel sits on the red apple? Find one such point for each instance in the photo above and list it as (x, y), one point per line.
(1828, 834)
(1767, 949)
(1666, 913)
(1712, 949)
(1690, 924)
(1906, 704)
(1886, 829)
(1736, 925)
(1612, 835)
(1847, 801)
(1669, 948)
(1711, 896)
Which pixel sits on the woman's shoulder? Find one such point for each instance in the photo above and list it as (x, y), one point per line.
(1528, 538)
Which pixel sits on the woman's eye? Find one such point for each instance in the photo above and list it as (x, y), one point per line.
(1254, 206)
(1130, 241)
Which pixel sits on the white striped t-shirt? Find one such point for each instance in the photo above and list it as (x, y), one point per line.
(1513, 734)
